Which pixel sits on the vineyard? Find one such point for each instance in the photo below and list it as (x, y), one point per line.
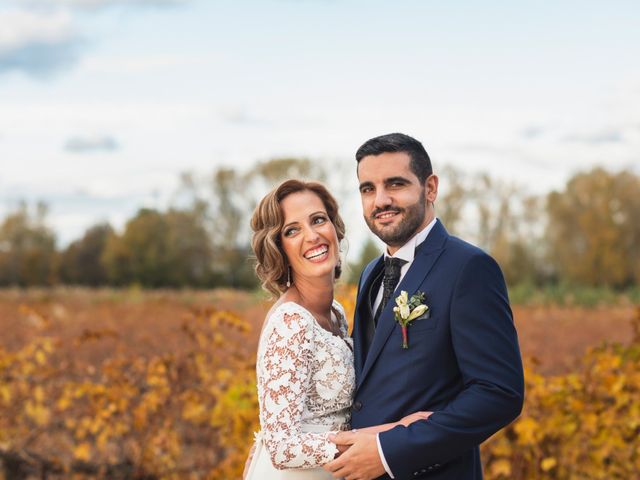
(128, 384)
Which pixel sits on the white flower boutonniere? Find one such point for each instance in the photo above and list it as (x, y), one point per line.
(408, 309)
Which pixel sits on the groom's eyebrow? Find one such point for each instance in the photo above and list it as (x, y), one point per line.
(365, 184)
(398, 179)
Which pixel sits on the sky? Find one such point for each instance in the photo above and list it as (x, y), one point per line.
(103, 103)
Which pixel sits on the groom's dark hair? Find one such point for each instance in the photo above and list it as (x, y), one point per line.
(399, 142)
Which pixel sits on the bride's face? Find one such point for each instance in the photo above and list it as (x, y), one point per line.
(308, 236)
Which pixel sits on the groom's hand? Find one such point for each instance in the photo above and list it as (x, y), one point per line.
(361, 461)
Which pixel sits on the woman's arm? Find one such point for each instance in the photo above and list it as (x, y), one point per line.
(282, 382)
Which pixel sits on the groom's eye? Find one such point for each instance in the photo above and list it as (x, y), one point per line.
(397, 184)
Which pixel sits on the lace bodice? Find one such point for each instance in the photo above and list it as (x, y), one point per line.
(305, 381)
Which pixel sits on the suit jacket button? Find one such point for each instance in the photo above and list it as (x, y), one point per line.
(357, 405)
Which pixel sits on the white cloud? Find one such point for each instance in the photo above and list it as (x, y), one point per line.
(39, 37)
(137, 65)
(21, 28)
(36, 43)
(96, 4)
(597, 137)
(91, 143)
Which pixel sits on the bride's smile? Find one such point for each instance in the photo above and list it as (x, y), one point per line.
(308, 237)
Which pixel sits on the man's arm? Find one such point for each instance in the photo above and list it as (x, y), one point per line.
(486, 348)
(358, 452)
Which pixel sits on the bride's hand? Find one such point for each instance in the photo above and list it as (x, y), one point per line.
(409, 419)
(341, 447)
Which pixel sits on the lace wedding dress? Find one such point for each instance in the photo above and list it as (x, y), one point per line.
(305, 388)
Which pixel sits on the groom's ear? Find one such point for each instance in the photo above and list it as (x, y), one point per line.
(431, 188)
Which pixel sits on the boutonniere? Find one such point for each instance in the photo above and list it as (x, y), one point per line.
(408, 309)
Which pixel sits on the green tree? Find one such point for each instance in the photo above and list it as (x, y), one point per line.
(498, 216)
(27, 248)
(594, 229)
(160, 249)
(81, 262)
(455, 194)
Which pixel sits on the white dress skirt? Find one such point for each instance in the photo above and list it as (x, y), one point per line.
(306, 380)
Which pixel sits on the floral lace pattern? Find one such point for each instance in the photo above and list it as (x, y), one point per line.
(305, 380)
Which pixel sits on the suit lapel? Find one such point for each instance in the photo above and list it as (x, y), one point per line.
(427, 254)
(363, 313)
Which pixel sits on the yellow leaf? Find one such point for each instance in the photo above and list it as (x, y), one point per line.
(41, 358)
(38, 413)
(38, 394)
(63, 403)
(82, 451)
(548, 463)
(5, 393)
(194, 411)
(501, 467)
(526, 429)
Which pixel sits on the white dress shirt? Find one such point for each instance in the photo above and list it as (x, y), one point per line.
(407, 253)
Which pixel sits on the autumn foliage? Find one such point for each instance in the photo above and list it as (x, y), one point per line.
(190, 410)
(583, 425)
(185, 415)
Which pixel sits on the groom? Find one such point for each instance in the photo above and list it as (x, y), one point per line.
(462, 362)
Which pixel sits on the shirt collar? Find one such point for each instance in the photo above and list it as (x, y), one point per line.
(408, 250)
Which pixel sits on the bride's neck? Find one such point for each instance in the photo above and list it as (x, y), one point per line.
(314, 294)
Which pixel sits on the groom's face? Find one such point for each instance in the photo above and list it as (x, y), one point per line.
(394, 202)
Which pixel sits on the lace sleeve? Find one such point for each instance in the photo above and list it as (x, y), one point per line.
(282, 384)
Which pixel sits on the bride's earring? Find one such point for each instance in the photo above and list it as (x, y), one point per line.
(288, 277)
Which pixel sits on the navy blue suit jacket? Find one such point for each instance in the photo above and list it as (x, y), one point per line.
(463, 362)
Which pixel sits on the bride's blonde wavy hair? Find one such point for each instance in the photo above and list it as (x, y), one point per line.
(267, 222)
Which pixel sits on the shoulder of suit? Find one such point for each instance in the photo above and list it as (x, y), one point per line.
(462, 246)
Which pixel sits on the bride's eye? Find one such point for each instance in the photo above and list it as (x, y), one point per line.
(288, 232)
(319, 220)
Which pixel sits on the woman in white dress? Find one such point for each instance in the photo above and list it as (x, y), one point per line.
(305, 357)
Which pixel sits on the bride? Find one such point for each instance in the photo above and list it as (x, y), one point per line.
(304, 363)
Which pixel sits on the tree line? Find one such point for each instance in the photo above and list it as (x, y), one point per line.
(585, 234)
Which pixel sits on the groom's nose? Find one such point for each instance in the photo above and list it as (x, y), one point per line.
(383, 199)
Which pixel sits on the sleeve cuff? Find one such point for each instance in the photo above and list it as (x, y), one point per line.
(331, 448)
(384, 460)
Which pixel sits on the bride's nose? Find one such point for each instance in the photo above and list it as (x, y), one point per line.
(310, 235)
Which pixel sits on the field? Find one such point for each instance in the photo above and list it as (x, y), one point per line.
(137, 384)
(147, 323)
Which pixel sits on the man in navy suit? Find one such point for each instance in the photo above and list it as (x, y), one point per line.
(462, 362)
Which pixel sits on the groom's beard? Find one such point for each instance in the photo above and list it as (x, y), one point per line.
(413, 216)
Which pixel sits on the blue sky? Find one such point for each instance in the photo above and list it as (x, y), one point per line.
(104, 102)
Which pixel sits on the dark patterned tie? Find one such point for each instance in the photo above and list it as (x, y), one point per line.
(392, 267)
